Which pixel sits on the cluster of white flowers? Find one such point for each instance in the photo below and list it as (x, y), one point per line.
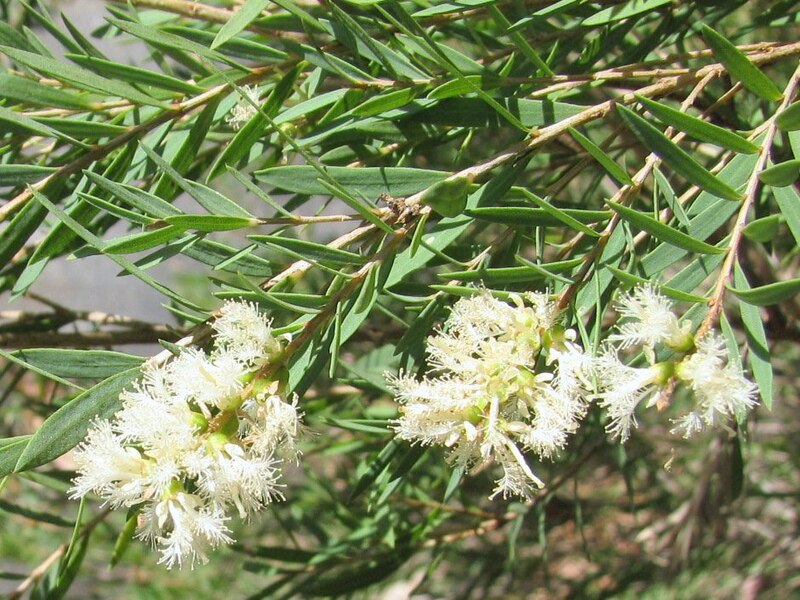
(507, 379)
(245, 107)
(703, 365)
(195, 439)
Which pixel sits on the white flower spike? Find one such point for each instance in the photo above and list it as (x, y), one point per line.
(487, 400)
(650, 321)
(703, 365)
(195, 439)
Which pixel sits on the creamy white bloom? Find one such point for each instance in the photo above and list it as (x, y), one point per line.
(486, 401)
(184, 527)
(245, 107)
(110, 469)
(272, 424)
(242, 330)
(719, 389)
(650, 320)
(623, 388)
(722, 391)
(203, 423)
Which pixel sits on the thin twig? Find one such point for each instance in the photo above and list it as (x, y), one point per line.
(751, 191)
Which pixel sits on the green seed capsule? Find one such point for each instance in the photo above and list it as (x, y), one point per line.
(448, 197)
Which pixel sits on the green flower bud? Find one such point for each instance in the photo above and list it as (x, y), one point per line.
(448, 197)
(663, 372)
(198, 422)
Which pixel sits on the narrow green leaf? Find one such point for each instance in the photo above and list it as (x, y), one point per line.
(239, 46)
(10, 116)
(788, 200)
(671, 292)
(125, 536)
(81, 40)
(788, 120)
(81, 128)
(80, 364)
(19, 230)
(210, 199)
(672, 155)
(781, 175)
(80, 78)
(16, 174)
(772, 293)
(377, 466)
(210, 222)
(760, 359)
(144, 240)
(443, 8)
(525, 216)
(608, 163)
(98, 244)
(663, 232)
(10, 451)
(740, 67)
(234, 260)
(505, 275)
(559, 214)
(697, 128)
(371, 182)
(630, 9)
(188, 151)
(144, 201)
(244, 15)
(36, 515)
(133, 74)
(457, 87)
(68, 425)
(27, 91)
(172, 41)
(385, 102)
(312, 250)
(764, 229)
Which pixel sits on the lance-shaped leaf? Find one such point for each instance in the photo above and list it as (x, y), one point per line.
(311, 250)
(79, 78)
(740, 67)
(15, 174)
(144, 240)
(211, 222)
(782, 174)
(661, 231)
(133, 74)
(68, 425)
(245, 15)
(772, 293)
(10, 451)
(672, 155)
(760, 359)
(369, 181)
(608, 163)
(788, 120)
(697, 128)
(612, 14)
(19, 89)
(65, 362)
(524, 216)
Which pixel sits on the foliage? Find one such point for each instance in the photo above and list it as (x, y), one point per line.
(354, 167)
